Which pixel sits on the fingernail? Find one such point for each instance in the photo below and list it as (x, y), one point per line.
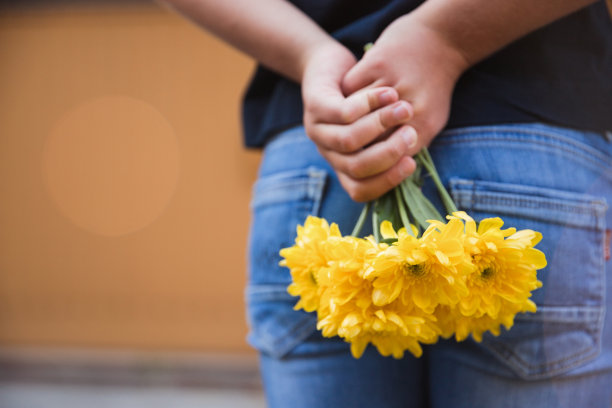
(387, 97)
(410, 136)
(405, 168)
(401, 112)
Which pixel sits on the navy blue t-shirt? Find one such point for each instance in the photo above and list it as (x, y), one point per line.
(560, 74)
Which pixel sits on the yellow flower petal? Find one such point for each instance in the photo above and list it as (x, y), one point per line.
(387, 231)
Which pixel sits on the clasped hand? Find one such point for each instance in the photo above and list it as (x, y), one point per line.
(369, 117)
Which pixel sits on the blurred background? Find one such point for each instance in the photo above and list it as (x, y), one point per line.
(124, 193)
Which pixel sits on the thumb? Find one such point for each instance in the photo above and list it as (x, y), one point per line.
(358, 77)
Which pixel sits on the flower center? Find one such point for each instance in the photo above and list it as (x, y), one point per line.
(487, 273)
(417, 270)
(313, 278)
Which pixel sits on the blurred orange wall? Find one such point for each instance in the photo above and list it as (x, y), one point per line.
(124, 187)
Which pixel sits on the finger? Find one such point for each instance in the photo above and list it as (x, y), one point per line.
(377, 158)
(329, 107)
(359, 76)
(373, 187)
(365, 101)
(353, 137)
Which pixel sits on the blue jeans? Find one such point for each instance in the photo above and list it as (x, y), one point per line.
(556, 181)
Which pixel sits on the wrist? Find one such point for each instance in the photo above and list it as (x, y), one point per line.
(428, 45)
(453, 59)
(319, 54)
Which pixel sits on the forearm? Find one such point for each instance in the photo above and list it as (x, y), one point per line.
(478, 28)
(274, 32)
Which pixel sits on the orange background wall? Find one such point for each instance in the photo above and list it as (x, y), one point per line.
(124, 187)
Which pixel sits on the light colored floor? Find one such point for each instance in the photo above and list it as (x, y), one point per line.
(29, 395)
(88, 378)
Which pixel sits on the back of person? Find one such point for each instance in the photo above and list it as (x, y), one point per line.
(560, 74)
(514, 100)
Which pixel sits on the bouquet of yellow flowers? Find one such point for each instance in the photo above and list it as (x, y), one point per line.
(402, 288)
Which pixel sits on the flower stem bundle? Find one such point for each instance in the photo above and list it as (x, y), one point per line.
(407, 286)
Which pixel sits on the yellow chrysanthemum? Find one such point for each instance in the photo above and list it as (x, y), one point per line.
(452, 322)
(506, 267)
(344, 289)
(392, 329)
(458, 278)
(346, 308)
(500, 286)
(306, 259)
(425, 272)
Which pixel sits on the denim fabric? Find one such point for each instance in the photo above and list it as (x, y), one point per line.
(553, 180)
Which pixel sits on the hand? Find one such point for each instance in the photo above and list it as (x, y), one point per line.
(364, 136)
(420, 65)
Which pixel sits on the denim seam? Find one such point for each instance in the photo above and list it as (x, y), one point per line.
(569, 152)
(316, 187)
(595, 216)
(266, 196)
(303, 325)
(304, 328)
(293, 186)
(563, 314)
(279, 346)
(294, 335)
(480, 197)
(544, 370)
(586, 153)
(262, 187)
(595, 226)
(505, 131)
(477, 186)
(592, 331)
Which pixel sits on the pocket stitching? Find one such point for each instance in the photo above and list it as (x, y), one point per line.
(307, 187)
(545, 370)
(542, 370)
(567, 145)
(488, 194)
(307, 184)
(593, 208)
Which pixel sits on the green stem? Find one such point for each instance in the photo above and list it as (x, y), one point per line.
(427, 162)
(419, 206)
(402, 209)
(361, 219)
(410, 203)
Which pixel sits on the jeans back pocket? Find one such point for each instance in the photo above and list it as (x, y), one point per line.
(280, 202)
(566, 330)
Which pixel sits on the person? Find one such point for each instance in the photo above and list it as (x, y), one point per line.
(514, 100)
